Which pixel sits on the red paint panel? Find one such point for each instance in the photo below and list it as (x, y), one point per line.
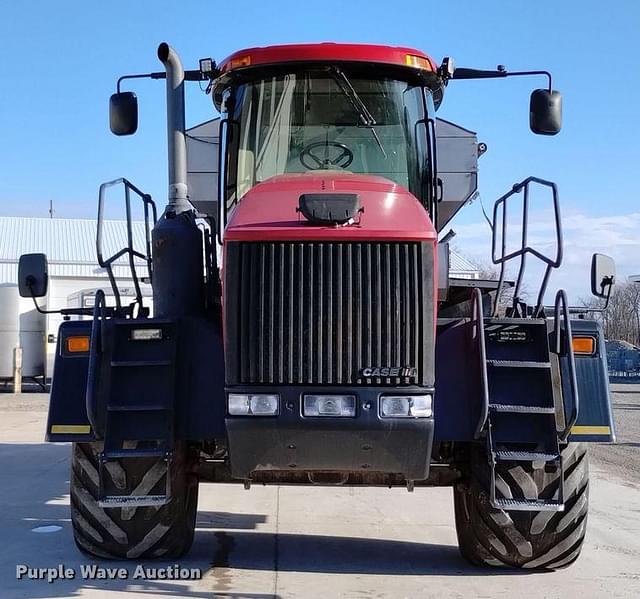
(323, 52)
(268, 211)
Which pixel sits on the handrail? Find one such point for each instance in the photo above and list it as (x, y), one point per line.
(478, 318)
(149, 212)
(221, 220)
(525, 249)
(95, 347)
(567, 351)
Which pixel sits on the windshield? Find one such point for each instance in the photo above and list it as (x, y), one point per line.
(328, 120)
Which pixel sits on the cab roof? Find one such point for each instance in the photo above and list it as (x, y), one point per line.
(328, 52)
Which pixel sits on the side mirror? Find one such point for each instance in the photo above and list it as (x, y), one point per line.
(123, 113)
(33, 275)
(545, 112)
(603, 275)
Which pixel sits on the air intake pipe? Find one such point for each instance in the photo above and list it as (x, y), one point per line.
(178, 193)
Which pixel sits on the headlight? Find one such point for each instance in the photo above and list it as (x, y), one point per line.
(329, 405)
(241, 404)
(405, 406)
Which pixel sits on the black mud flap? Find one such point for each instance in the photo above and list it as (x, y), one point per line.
(595, 417)
(67, 419)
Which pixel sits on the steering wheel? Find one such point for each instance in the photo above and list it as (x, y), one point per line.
(342, 158)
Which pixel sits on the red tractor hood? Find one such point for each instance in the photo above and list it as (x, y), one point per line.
(269, 210)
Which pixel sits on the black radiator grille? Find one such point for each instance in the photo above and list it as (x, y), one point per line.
(318, 313)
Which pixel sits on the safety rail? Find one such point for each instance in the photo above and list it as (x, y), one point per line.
(565, 350)
(477, 317)
(100, 311)
(149, 212)
(525, 249)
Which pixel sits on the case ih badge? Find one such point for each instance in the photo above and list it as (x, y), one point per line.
(379, 371)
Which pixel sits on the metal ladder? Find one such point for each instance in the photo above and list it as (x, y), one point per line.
(525, 400)
(521, 424)
(525, 415)
(131, 400)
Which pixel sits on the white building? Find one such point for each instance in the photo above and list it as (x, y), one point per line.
(70, 246)
(461, 268)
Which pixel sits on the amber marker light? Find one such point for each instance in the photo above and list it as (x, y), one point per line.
(418, 62)
(241, 61)
(584, 345)
(77, 345)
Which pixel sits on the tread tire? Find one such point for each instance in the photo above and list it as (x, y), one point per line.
(520, 539)
(132, 532)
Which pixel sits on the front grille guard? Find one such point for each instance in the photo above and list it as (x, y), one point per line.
(519, 308)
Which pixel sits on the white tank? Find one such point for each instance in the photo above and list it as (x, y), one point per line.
(33, 337)
(21, 325)
(9, 327)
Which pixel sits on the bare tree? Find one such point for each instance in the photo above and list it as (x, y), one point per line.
(491, 272)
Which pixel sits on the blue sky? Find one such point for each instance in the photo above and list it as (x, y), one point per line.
(61, 60)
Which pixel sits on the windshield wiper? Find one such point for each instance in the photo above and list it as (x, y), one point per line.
(366, 118)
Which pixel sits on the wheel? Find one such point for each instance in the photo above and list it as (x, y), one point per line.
(133, 532)
(520, 539)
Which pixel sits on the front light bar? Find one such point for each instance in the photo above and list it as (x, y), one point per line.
(243, 404)
(406, 406)
(329, 405)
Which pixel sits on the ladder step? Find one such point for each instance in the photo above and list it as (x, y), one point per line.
(112, 454)
(518, 364)
(528, 505)
(133, 500)
(499, 407)
(525, 456)
(139, 363)
(138, 408)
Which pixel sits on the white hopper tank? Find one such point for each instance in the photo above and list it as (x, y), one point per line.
(33, 337)
(9, 327)
(21, 325)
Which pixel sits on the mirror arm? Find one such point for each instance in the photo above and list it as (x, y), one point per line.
(189, 76)
(610, 288)
(463, 73)
(30, 281)
(38, 308)
(547, 74)
(63, 311)
(142, 76)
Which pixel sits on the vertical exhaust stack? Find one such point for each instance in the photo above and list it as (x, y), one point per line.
(178, 282)
(177, 147)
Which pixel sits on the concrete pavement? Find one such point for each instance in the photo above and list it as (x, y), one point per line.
(309, 542)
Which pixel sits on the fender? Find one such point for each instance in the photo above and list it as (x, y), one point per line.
(67, 420)
(595, 418)
(457, 398)
(200, 383)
